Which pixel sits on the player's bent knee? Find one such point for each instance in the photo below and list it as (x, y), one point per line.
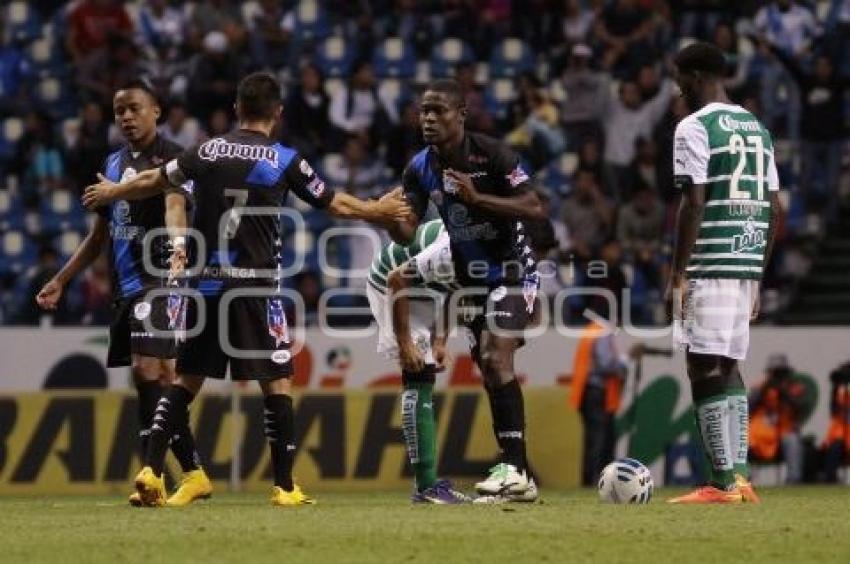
(496, 369)
(145, 368)
(276, 387)
(167, 372)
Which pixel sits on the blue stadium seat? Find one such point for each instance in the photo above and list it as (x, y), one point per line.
(394, 92)
(17, 252)
(11, 130)
(66, 243)
(498, 96)
(24, 24)
(61, 212)
(46, 58)
(11, 212)
(511, 57)
(447, 54)
(335, 56)
(311, 21)
(55, 95)
(394, 59)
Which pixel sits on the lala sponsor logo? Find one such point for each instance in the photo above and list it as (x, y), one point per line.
(752, 239)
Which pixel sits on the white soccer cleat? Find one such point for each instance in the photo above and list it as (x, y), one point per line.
(530, 495)
(504, 479)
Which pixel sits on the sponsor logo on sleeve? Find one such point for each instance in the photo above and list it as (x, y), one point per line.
(305, 168)
(517, 176)
(316, 186)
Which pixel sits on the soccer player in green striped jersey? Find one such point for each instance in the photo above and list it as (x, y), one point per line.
(724, 164)
(425, 267)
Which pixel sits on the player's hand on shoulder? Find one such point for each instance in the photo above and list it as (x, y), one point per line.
(465, 188)
(394, 207)
(49, 295)
(97, 195)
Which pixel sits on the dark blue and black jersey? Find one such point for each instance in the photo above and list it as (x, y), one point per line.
(130, 221)
(487, 250)
(243, 169)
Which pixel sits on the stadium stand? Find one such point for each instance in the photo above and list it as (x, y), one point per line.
(408, 44)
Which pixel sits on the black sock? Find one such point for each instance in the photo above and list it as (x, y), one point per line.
(280, 430)
(149, 393)
(183, 444)
(495, 416)
(170, 413)
(509, 419)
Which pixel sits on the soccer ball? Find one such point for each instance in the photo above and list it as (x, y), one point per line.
(625, 481)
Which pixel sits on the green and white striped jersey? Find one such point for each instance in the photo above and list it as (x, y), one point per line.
(393, 255)
(727, 149)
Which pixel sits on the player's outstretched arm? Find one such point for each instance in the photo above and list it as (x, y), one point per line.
(687, 227)
(524, 205)
(385, 211)
(144, 185)
(49, 295)
(399, 281)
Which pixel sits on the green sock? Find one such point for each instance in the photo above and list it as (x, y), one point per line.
(739, 429)
(712, 416)
(417, 416)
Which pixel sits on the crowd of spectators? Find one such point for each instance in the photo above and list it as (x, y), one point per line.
(582, 89)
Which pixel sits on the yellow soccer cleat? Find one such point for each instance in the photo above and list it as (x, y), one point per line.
(295, 497)
(135, 499)
(194, 485)
(151, 488)
(748, 492)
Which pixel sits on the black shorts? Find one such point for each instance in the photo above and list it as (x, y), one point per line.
(503, 308)
(127, 333)
(257, 333)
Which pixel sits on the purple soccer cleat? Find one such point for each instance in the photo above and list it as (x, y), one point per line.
(441, 493)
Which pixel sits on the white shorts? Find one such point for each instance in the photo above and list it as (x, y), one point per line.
(423, 316)
(716, 317)
(433, 264)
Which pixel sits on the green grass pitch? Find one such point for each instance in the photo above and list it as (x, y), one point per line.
(810, 524)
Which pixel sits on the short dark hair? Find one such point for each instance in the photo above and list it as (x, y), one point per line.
(143, 84)
(703, 57)
(258, 96)
(451, 88)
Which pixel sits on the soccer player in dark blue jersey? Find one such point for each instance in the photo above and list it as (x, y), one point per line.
(230, 176)
(121, 228)
(485, 199)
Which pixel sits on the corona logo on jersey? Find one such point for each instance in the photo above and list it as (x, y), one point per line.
(730, 124)
(218, 148)
(79, 443)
